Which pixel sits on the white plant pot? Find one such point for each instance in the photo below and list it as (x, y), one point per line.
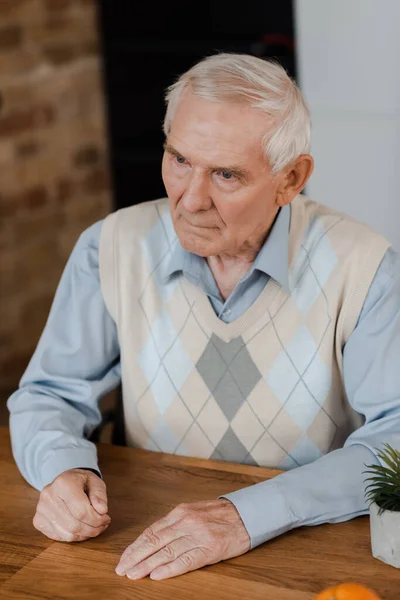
(385, 535)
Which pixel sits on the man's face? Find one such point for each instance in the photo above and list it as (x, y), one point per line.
(221, 191)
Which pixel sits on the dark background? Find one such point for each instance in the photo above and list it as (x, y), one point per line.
(146, 48)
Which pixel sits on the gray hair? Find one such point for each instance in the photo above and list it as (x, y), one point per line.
(257, 83)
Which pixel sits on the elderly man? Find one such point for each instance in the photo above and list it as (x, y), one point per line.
(246, 323)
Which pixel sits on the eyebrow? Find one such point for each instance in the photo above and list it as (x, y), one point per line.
(235, 170)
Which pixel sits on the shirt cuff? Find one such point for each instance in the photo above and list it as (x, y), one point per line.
(66, 459)
(264, 511)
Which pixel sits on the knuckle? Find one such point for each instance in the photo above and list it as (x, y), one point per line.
(74, 529)
(62, 483)
(94, 533)
(192, 517)
(180, 509)
(187, 560)
(150, 538)
(79, 513)
(168, 553)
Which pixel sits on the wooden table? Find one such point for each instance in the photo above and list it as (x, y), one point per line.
(143, 486)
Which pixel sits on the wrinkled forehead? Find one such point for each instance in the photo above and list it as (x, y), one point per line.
(218, 131)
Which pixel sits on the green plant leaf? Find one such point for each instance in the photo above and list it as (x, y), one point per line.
(384, 470)
(391, 457)
(382, 480)
(383, 483)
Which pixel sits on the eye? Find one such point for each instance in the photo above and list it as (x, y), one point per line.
(226, 176)
(180, 160)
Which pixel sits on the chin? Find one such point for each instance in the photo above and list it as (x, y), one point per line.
(196, 245)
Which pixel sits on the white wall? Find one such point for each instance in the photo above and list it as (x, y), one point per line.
(349, 71)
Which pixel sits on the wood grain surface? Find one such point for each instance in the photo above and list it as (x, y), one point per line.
(142, 487)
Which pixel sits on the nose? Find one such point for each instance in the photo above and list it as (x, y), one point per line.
(196, 195)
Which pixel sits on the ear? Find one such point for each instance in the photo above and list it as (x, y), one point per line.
(294, 179)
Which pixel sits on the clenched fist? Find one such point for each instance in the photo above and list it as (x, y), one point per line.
(73, 507)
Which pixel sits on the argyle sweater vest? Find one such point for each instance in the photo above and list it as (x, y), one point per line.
(266, 389)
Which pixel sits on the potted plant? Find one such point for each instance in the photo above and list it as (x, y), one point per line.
(383, 493)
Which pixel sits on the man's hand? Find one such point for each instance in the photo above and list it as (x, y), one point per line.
(189, 537)
(73, 507)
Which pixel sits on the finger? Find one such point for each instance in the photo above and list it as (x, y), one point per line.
(155, 537)
(55, 531)
(78, 503)
(51, 528)
(83, 534)
(96, 491)
(58, 514)
(147, 544)
(190, 561)
(83, 529)
(171, 519)
(163, 557)
(78, 511)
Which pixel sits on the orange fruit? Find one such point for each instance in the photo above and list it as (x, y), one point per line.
(348, 591)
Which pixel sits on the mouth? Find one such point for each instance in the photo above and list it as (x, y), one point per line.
(196, 225)
(192, 224)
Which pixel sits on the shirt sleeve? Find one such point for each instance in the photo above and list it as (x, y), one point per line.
(76, 362)
(332, 489)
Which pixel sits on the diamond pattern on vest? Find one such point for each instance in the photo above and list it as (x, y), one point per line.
(233, 423)
(246, 410)
(217, 366)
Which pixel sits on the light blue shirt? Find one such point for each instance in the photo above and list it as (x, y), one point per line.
(77, 361)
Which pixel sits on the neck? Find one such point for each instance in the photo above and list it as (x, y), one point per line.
(228, 269)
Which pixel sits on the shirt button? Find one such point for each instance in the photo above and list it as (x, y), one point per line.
(227, 312)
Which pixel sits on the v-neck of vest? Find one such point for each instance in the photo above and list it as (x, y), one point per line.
(203, 310)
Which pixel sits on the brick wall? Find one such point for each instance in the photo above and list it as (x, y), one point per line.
(54, 178)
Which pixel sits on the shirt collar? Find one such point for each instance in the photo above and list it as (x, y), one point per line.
(273, 258)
